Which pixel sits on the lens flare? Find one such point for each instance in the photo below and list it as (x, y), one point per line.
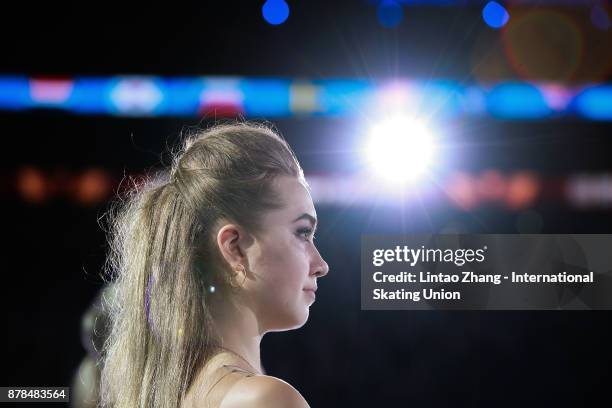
(400, 149)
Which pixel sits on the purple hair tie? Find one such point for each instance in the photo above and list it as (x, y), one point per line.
(148, 301)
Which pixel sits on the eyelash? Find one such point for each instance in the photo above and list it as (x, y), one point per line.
(308, 231)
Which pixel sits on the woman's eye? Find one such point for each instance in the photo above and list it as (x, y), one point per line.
(306, 232)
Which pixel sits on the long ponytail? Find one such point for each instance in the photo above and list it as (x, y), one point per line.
(155, 233)
(162, 258)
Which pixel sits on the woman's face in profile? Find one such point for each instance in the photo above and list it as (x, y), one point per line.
(284, 260)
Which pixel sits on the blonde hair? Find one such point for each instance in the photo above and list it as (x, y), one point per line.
(163, 256)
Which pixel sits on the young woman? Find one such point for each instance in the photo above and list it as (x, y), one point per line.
(207, 258)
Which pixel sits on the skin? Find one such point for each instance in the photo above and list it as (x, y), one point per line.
(279, 263)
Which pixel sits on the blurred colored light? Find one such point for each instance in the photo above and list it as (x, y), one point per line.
(303, 98)
(557, 96)
(462, 191)
(515, 100)
(495, 15)
(399, 149)
(594, 103)
(32, 185)
(590, 190)
(275, 12)
(491, 186)
(50, 91)
(221, 98)
(14, 92)
(338, 97)
(136, 96)
(389, 13)
(266, 97)
(93, 186)
(523, 189)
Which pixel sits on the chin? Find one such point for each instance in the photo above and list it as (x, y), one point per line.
(292, 322)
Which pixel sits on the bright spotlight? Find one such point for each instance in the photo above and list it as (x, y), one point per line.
(399, 149)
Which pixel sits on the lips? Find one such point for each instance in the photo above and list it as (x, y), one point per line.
(311, 292)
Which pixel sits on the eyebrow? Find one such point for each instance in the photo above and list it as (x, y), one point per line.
(308, 217)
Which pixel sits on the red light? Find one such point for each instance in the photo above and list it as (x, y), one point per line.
(93, 186)
(523, 189)
(32, 185)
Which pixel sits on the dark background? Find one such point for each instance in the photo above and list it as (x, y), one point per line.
(54, 251)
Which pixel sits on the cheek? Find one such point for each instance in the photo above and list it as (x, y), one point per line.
(285, 268)
(283, 260)
(281, 275)
(282, 268)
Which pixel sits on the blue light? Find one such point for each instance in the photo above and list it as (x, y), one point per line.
(14, 93)
(275, 12)
(266, 97)
(440, 98)
(517, 100)
(495, 15)
(595, 103)
(339, 97)
(389, 13)
(90, 95)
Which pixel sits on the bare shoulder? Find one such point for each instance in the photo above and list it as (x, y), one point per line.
(263, 391)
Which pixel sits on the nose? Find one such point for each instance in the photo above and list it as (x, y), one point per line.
(319, 266)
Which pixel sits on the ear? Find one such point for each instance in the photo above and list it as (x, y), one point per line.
(231, 240)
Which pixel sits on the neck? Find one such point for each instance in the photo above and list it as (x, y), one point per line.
(238, 332)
